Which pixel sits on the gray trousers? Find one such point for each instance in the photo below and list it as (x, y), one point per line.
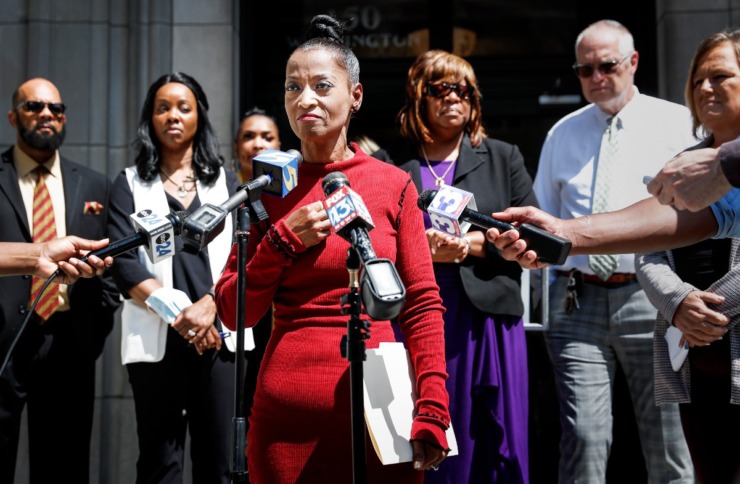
(614, 325)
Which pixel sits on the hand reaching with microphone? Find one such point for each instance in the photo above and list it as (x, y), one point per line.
(64, 253)
(510, 243)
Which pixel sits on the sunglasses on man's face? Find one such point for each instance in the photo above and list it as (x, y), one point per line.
(38, 106)
(443, 89)
(606, 68)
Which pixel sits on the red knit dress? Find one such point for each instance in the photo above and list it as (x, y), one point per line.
(300, 427)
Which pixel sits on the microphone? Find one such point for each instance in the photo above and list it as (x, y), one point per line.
(348, 214)
(154, 231)
(382, 290)
(281, 167)
(446, 209)
(275, 172)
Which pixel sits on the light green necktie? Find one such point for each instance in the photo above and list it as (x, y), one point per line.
(604, 265)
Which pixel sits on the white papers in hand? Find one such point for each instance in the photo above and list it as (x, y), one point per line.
(389, 403)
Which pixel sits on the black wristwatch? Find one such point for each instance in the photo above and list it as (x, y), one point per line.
(212, 293)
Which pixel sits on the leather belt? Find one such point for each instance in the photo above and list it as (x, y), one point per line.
(616, 279)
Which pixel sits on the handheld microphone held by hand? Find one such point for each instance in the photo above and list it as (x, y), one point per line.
(154, 231)
(275, 172)
(448, 210)
(347, 211)
(382, 290)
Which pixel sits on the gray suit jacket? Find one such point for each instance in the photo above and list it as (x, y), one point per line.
(656, 272)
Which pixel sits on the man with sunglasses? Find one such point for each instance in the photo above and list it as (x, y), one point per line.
(43, 195)
(600, 319)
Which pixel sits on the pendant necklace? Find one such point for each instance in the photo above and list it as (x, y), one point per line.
(182, 192)
(439, 181)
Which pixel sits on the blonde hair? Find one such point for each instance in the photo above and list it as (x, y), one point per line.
(709, 43)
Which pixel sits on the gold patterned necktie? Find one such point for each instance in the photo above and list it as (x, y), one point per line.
(44, 230)
(604, 265)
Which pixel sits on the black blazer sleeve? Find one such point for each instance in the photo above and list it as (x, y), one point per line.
(495, 173)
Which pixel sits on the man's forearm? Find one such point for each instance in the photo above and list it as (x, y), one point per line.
(645, 226)
(18, 258)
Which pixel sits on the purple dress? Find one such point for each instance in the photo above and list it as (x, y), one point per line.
(488, 382)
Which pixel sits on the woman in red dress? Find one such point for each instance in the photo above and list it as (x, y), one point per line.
(300, 426)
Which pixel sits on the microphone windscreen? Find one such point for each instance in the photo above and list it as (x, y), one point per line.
(333, 181)
(425, 198)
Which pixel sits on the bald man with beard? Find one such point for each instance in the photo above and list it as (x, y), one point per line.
(52, 368)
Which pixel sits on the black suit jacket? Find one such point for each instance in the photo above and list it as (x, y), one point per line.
(92, 301)
(495, 173)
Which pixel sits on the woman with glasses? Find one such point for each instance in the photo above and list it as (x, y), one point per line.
(446, 145)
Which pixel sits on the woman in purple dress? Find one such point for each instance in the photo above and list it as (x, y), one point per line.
(445, 144)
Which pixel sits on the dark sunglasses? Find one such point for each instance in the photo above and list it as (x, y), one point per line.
(38, 106)
(444, 89)
(606, 68)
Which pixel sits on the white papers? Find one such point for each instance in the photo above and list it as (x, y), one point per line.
(677, 352)
(389, 403)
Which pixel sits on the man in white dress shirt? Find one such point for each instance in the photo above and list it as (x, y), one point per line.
(601, 319)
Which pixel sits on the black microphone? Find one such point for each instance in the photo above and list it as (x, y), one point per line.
(155, 232)
(382, 290)
(348, 214)
(550, 248)
(275, 172)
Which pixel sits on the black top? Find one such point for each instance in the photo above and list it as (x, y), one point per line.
(191, 273)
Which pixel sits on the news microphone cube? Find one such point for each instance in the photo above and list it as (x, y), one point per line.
(281, 167)
(343, 206)
(446, 209)
(159, 231)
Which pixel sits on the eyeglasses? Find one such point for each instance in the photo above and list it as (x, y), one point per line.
(444, 89)
(606, 68)
(38, 106)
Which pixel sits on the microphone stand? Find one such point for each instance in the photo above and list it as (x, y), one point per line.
(253, 209)
(239, 460)
(353, 348)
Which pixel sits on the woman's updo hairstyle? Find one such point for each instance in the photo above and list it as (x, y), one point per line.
(327, 32)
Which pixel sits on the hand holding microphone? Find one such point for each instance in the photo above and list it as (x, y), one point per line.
(156, 232)
(449, 209)
(65, 254)
(382, 290)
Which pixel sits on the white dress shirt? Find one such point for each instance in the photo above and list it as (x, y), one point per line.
(653, 131)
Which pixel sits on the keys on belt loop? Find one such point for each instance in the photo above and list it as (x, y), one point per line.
(571, 291)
